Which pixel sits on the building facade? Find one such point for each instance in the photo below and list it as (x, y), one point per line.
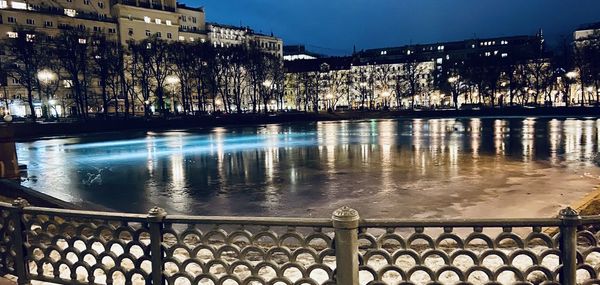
(120, 20)
(396, 77)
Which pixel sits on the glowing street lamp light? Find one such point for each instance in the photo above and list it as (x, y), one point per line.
(46, 76)
(172, 80)
(452, 79)
(267, 83)
(572, 74)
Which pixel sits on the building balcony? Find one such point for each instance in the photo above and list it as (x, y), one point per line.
(194, 31)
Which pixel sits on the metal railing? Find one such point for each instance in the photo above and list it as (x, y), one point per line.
(83, 247)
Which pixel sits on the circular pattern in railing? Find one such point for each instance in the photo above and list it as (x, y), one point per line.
(7, 250)
(213, 254)
(445, 256)
(87, 251)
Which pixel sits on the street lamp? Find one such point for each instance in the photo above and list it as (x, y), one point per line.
(172, 81)
(46, 77)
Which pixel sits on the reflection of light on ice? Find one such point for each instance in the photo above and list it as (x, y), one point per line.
(527, 138)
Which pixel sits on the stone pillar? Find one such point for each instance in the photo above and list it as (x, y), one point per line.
(345, 223)
(9, 166)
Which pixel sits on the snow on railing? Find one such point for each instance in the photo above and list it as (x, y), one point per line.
(83, 247)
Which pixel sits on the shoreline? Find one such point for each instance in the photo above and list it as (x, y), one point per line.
(34, 131)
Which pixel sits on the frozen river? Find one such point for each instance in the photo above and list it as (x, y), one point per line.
(520, 167)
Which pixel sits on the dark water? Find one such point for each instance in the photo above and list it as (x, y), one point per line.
(390, 168)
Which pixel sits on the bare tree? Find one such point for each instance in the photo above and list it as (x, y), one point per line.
(73, 52)
(27, 55)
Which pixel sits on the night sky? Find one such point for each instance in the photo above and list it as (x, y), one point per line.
(335, 26)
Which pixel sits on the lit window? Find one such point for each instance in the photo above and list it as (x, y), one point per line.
(191, 39)
(505, 55)
(13, 35)
(168, 22)
(473, 46)
(383, 52)
(488, 53)
(495, 52)
(70, 12)
(19, 5)
(3, 4)
(181, 38)
(158, 21)
(408, 52)
(67, 83)
(146, 19)
(82, 41)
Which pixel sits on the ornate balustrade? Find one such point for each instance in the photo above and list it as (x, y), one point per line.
(82, 247)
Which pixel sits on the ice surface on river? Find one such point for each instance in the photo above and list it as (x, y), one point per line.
(389, 168)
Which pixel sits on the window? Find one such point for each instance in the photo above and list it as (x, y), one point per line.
(86, 2)
(158, 21)
(148, 33)
(82, 41)
(130, 17)
(12, 20)
(81, 27)
(146, 19)
(3, 4)
(158, 35)
(112, 30)
(67, 83)
(194, 20)
(169, 36)
(383, 52)
(30, 22)
(181, 38)
(30, 37)
(12, 35)
(101, 5)
(505, 55)
(130, 32)
(168, 22)
(191, 39)
(48, 24)
(183, 19)
(70, 12)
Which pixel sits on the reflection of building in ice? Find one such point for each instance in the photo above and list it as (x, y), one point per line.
(527, 139)
(499, 144)
(572, 130)
(475, 126)
(588, 132)
(554, 138)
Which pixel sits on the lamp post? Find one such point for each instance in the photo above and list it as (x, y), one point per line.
(47, 78)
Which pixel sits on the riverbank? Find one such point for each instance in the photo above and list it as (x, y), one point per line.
(31, 131)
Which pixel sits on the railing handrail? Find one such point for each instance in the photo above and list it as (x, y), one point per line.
(461, 223)
(308, 222)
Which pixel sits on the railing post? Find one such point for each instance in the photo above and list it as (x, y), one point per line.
(155, 224)
(21, 263)
(345, 223)
(568, 245)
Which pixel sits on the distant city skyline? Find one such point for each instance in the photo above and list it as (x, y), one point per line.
(334, 27)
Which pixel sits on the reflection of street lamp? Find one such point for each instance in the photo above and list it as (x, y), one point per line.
(172, 81)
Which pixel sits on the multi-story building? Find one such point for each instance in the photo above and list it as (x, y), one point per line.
(370, 78)
(227, 35)
(120, 20)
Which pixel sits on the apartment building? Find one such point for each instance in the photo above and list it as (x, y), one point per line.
(120, 20)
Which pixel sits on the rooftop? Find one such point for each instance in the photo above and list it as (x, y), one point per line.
(183, 6)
